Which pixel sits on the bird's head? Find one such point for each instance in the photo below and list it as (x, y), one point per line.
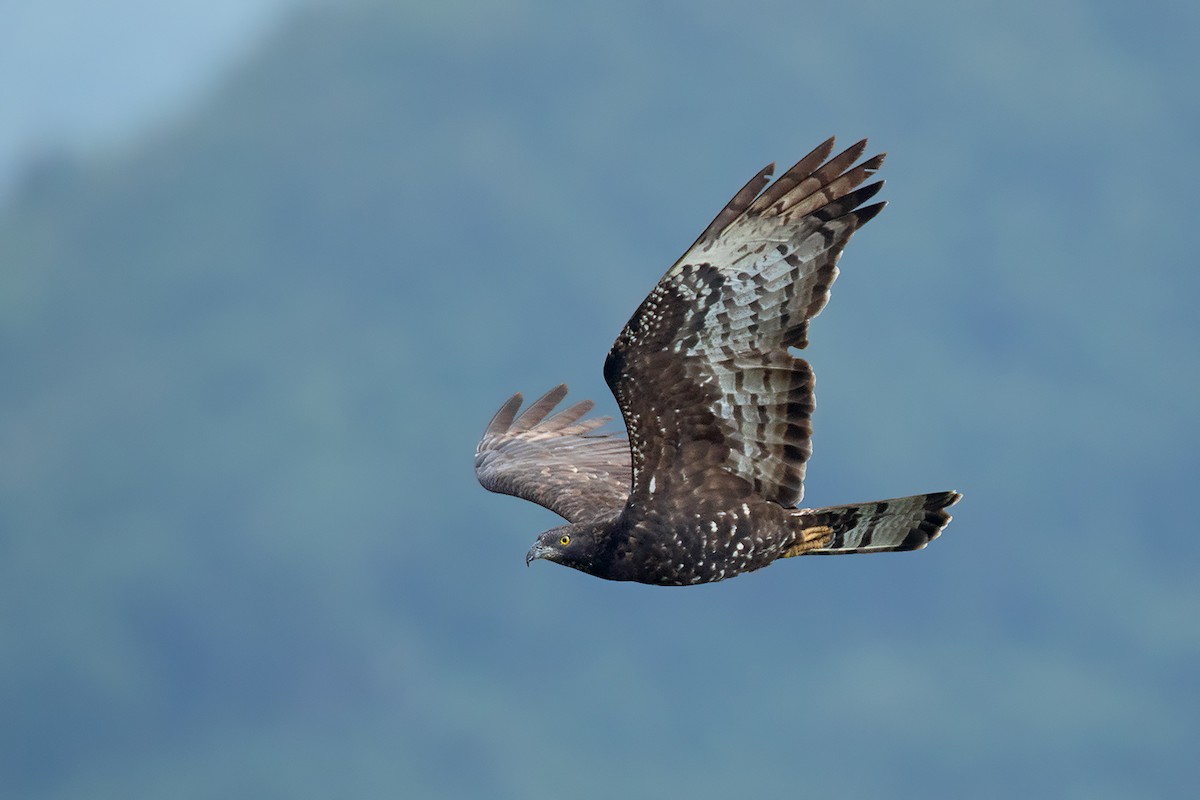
(570, 545)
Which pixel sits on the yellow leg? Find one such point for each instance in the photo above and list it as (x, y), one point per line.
(812, 538)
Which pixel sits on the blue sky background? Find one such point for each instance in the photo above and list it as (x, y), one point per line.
(84, 76)
(253, 321)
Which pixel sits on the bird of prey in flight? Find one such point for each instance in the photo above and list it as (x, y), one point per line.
(716, 408)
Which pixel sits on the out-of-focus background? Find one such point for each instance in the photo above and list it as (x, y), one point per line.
(267, 268)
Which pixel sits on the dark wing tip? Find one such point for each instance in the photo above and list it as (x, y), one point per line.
(813, 160)
(850, 154)
(947, 499)
(868, 213)
(504, 417)
(539, 408)
(737, 206)
(568, 416)
(873, 163)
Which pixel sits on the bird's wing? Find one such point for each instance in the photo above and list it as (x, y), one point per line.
(702, 373)
(558, 461)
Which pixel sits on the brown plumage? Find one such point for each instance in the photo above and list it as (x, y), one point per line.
(717, 409)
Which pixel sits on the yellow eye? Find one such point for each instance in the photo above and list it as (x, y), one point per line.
(564, 541)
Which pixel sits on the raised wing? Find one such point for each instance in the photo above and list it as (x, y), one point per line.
(559, 462)
(702, 371)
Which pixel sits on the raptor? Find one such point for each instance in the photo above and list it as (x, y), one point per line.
(716, 406)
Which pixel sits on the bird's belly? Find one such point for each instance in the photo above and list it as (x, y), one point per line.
(703, 552)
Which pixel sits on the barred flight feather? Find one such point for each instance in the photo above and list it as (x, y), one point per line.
(904, 523)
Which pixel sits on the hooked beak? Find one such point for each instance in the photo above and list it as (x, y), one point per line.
(539, 550)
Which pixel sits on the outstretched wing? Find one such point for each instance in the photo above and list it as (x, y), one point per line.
(559, 462)
(702, 371)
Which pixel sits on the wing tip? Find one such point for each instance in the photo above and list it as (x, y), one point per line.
(504, 416)
(944, 499)
(540, 408)
(867, 213)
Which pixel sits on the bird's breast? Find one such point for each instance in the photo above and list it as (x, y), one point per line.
(696, 549)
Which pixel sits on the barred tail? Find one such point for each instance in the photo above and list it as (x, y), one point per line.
(904, 523)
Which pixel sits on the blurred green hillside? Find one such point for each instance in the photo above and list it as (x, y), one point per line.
(246, 359)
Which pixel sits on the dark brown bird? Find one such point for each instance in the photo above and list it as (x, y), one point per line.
(716, 408)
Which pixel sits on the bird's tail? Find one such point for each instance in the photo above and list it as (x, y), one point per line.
(904, 523)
